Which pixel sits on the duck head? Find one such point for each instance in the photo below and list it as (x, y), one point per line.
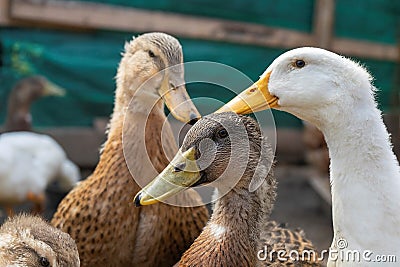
(21, 97)
(31, 88)
(30, 241)
(311, 83)
(223, 148)
(151, 69)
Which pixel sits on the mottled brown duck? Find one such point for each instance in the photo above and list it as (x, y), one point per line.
(23, 94)
(98, 214)
(29, 241)
(239, 229)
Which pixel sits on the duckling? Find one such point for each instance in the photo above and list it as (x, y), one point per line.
(230, 152)
(26, 91)
(29, 162)
(29, 241)
(97, 213)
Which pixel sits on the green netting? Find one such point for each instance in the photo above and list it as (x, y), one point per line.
(268, 12)
(85, 63)
(374, 20)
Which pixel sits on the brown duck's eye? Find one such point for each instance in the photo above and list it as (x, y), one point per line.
(299, 63)
(44, 262)
(222, 133)
(151, 54)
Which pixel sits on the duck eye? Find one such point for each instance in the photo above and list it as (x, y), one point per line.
(151, 54)
(44, 262)
(222, 133)
(300, 63)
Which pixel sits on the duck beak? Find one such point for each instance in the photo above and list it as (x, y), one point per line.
(253, 99)
(51, 89)
(179, 103)
(180, 174)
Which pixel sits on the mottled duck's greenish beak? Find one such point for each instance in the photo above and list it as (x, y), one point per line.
(180, 174)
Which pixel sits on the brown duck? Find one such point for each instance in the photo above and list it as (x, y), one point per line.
(239, 228)
(98, 214)
(29, 241)
(23, 94)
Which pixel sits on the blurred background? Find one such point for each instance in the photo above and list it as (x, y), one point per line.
(77, 44)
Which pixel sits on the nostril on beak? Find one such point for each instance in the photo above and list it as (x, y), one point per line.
(179, 167)
(137, 200)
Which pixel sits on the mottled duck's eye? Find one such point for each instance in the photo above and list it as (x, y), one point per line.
(299, 63)
(151, 54)
(222, 133)
(44, 262)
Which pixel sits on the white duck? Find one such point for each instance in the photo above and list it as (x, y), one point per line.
(28, 163)
(336, 94)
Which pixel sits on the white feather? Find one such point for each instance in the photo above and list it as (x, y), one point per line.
(217, 230)
(29, 162)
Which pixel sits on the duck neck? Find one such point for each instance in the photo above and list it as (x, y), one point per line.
(232, 234)
(18, 116)
(240, 213)
(137, 131)
(364, 178)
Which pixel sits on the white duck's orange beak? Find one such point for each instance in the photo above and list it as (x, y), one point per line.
(253, 99)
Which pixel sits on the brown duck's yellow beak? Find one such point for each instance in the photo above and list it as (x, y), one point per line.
(179, 103)
(51, 89)
(253, 99)
(180, 174)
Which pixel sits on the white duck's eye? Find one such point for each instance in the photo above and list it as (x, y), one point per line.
(299, 63)
(151, 54)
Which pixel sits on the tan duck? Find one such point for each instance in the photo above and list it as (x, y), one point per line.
(98, 214)
(239, 228)
(21, 97)
(29, 241)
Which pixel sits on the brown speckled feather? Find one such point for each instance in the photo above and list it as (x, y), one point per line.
(277, 237)
(99, 213)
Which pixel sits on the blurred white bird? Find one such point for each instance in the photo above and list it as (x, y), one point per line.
(28, 163)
